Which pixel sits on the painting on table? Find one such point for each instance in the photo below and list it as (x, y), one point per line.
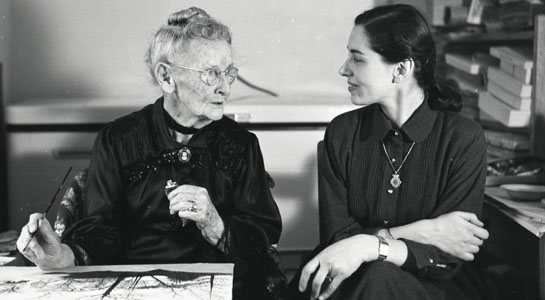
(177, 281)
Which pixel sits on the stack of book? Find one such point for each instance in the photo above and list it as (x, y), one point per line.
(519, 14)
(469, 71)
(508, 95)
(498, 15)
(502, 144)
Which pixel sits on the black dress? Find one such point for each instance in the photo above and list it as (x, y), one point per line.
(444, 172)
(128, 220)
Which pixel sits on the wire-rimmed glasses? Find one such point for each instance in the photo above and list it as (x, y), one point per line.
(211, 76)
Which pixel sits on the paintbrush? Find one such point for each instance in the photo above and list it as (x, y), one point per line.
(48, 206)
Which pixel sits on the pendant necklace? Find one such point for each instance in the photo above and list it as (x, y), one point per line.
(396, 181)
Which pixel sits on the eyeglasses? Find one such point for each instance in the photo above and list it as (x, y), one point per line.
(212, 76)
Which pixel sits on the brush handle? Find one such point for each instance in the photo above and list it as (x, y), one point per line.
(48, 207)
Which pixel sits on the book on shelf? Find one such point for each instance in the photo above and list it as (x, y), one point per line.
(518, 56)
(462, 62)
(510, 83)
(518, 72)
(472, 63)
(435, 10)
(507, 66)
(502, 112)
(495, 153)
(507, 140)
(479, 11)
(522, 74)
(514, 101)
(519, 14)
(488, 122)
(488, 119)
(468, 83)
(485, 60)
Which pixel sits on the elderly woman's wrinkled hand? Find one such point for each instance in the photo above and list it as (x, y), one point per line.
(336, 263)
(458, 233)
(44, 246)
(193, 203)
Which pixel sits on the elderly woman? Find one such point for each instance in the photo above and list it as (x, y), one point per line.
(404, 176)
(176, 182)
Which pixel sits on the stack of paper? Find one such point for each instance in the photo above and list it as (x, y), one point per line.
(508, 97)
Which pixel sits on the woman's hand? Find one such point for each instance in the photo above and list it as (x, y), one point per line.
(458, 233)
(193, 203)
(336, 263)
(45, 248)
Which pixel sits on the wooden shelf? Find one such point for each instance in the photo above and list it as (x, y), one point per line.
(486, 37)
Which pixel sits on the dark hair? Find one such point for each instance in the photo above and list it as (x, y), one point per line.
(399, 32)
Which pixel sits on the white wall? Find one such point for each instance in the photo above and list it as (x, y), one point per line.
(95, 48)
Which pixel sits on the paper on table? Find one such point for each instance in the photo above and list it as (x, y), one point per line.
(532, 212)
(172, 281)
(5, 259)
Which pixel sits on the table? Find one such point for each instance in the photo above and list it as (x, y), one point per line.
(165, 281)
(527, 215)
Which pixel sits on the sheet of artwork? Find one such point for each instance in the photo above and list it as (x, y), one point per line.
(175, 281)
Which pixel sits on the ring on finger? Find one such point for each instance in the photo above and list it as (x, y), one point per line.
(328, 278)
(193, 208)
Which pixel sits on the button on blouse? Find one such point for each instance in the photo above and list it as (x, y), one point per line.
(445, 172)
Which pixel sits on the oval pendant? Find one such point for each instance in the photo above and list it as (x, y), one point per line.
(395, 181)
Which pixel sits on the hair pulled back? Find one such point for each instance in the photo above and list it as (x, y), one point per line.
(182, 27)
(399, 32)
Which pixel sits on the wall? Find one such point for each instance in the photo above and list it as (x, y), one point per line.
(5, 13)
(4, 30)
(76, 48)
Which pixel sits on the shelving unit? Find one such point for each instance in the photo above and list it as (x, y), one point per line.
(503, 36)
(504, 230)
(537, 132)
(468, 41)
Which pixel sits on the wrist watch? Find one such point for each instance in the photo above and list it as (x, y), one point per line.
(383, 248)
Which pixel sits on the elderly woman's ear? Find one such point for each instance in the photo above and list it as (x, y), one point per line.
(164, 78)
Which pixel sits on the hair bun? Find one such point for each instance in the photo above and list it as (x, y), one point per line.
(186, 16)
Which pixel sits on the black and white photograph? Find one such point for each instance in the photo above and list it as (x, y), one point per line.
(275, 150)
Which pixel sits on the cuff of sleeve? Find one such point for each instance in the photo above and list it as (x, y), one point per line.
(81, 257)
(430, 262)
(410, 263)
(223, 243)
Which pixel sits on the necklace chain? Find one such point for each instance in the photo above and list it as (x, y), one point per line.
(402, 162)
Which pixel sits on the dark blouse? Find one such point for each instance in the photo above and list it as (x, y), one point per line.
(128, 220)
(444, 172)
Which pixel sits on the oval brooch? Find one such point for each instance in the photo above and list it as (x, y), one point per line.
(184, 155)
